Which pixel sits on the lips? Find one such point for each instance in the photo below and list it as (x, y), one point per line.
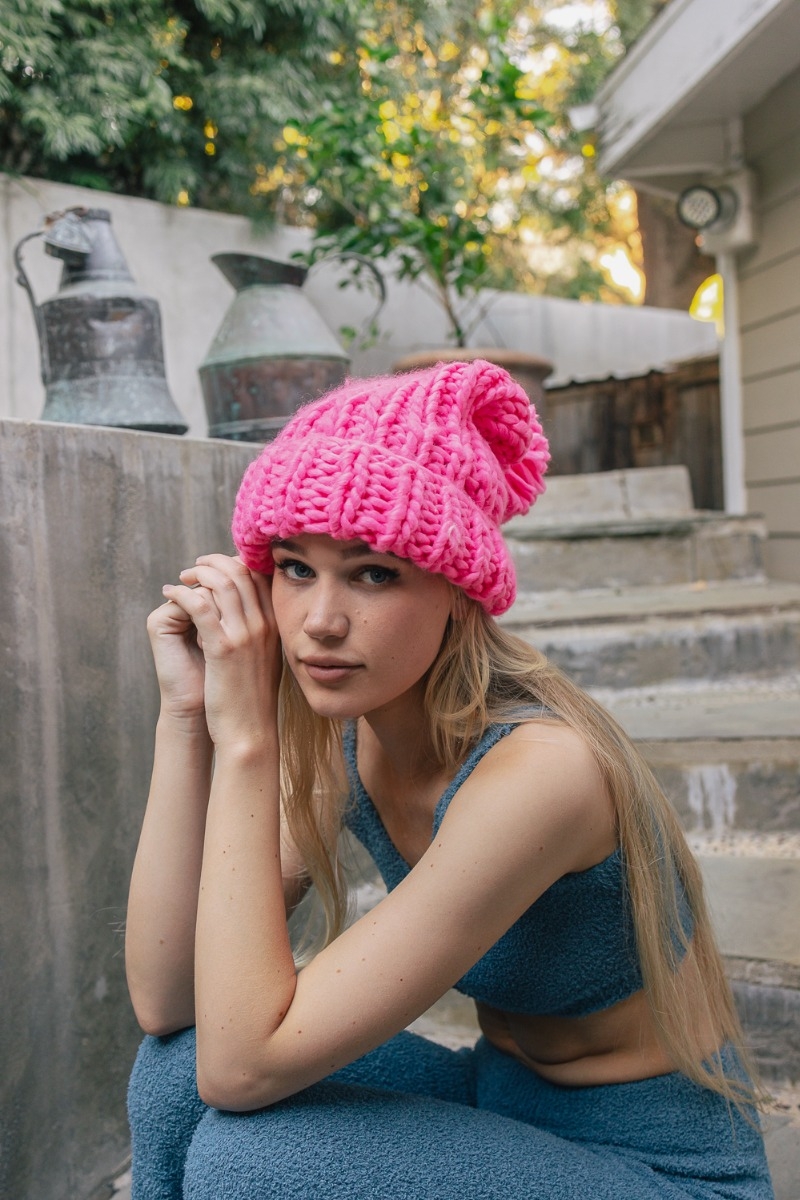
(329, 670)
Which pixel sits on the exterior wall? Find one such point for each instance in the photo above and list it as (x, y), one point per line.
(168, 251)
(92, 522)
(769, 307)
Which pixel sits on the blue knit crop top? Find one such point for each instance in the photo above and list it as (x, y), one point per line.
(571, 953)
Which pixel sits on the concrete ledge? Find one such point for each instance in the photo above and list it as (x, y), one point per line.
(92, 522)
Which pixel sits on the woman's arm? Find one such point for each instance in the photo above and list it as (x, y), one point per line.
(162, 906)
(506, 838)
(162, 903)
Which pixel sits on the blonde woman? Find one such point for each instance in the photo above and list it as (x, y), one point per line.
(345, 670)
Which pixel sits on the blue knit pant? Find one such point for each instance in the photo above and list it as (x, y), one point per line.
(415, 1121)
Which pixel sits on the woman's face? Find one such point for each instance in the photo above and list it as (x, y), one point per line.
(359, 629)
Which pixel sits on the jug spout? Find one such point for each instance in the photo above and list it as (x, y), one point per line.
(252, 270)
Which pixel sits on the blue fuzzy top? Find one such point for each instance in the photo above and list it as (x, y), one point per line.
(571, 953)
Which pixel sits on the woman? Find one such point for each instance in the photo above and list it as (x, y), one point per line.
(345, 669)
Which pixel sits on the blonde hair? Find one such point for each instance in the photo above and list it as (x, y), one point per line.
(483, 675)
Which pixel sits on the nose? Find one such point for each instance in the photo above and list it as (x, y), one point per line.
(326, 616)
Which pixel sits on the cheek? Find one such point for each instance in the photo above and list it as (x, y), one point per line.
(282, 610)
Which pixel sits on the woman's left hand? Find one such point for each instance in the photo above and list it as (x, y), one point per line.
(231, 608)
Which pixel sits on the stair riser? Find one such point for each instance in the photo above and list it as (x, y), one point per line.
(641, 561)
(771, 1020)
(725, 794)
(660, 651)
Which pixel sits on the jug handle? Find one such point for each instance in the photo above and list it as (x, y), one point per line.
(362, 260)
(24, 282)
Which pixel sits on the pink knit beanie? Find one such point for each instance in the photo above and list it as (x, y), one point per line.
(426, 466)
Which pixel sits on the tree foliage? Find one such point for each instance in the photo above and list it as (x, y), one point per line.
(177, 100)
(453, 150)
(439, 131)
(432, 154)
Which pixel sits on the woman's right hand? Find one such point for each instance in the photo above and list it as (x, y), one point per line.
(179, 661)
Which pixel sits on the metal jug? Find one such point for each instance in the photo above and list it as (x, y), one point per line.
(272, 352)
(102, 353)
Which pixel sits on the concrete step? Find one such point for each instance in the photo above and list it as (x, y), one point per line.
(629, 528)
(641, 636)
(752, 883)
(727, 755)
(665, 551)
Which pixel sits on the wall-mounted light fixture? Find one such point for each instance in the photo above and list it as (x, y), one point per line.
(721, 210)
(701, 206)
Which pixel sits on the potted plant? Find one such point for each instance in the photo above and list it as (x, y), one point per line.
(430, 162)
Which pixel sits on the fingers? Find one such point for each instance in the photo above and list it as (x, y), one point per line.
(231, 585)
(219, 592)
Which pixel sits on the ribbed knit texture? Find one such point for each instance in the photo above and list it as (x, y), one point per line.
(426, 466)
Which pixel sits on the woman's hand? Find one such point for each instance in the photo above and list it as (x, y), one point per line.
(230, 638)
(179, 662)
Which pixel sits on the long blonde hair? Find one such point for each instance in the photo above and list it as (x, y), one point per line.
(483, 675)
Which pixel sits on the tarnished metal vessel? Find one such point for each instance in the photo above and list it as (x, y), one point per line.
(102, 352)
(272, 352)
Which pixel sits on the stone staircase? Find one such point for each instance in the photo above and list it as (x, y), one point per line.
(665, 615)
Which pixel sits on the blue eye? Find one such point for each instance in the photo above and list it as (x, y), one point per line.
(379, 575)
(293, 569)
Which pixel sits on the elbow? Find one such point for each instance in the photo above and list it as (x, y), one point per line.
(158, 1021)
(157, 1026)
(245, 1078)
(230, 1091)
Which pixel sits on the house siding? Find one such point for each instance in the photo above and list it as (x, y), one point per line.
(769, 315)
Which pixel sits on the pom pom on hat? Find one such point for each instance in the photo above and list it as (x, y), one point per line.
(426, 466)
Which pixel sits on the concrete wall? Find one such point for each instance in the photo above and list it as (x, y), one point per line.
(168, 250)
(92, 522)
(769, 300)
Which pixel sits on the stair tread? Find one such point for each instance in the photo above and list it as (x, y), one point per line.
(631, 604)
(736, 709)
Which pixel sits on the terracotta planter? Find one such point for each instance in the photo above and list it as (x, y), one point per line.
(529, 370)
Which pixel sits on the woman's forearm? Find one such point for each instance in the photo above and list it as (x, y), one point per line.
(162, 905)
(244, 970)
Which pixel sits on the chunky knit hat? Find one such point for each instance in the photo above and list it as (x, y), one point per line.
(426, 466)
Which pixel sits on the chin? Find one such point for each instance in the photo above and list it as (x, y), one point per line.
(337, 707)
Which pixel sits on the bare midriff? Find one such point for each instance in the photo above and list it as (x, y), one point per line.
(616, 1045)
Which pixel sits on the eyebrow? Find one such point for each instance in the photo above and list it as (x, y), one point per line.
(359, 550)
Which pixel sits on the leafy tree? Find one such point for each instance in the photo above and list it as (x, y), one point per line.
(177, 100)
(453, 151)
(431, 155)
(437, 129)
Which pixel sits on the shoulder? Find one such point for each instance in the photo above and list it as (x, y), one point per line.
(543, 775)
